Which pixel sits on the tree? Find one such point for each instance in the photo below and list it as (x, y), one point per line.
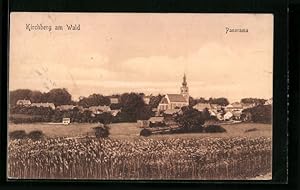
(59, 96)
(201, 100)
(220, 101)
(104, 118)
(192, 101)
(94, 100)
(256, 101)
(36, 96)
(19, 94)
(260, 113)
(115, 106)
(102, 131)
(133, 106)
(191, 119)
(154, 100)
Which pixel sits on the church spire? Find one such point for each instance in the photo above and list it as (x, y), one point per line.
(184, 83)
(185, 89)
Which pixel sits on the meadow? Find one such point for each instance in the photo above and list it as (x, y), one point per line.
(131, 130)
(69, 152)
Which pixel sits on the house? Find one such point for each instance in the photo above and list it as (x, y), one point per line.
(146, 99)
(23, 102)
(237, 115)
(202, 106)
(228, 115)
(45, 105)
(99, 109)
(235, 106)
(169, 116)
(219, 116)
(143, 123)
(156, 119)
(66, 121)
(114, 100)
(157, 122)
(65, 107)
(115, 112)
(175, 101)
(216, 107)
(213, 113)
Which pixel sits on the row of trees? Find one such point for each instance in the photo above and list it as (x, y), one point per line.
(35, 114)
(58, 96)
(220, 101)
(224, 101)
(256, 101)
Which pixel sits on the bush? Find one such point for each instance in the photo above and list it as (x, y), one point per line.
(36, 135)
(101, 131)
(191, 119)
(19, 134)
(145, 132)
(214, 129)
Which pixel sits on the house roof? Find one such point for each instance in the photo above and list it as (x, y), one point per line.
(99, 108)
(43, 105)
(65, 107)
(202, 106)
(114, 100)
(228, 115)
(176, 98)
(23, 102)
(236, 105)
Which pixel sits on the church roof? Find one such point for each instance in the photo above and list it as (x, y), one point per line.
(176, 98)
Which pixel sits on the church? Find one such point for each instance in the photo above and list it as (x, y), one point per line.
(175, 101)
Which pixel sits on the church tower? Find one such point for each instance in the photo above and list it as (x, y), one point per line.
(184, 90)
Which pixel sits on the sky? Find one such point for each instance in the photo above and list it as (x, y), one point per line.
(143, 52)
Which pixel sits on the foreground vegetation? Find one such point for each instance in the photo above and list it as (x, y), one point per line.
(142, 158)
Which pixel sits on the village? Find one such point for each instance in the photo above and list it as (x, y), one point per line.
(161, 113)
(156, 124)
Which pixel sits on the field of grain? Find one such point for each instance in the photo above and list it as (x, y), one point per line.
(144, 158)
(68, 152)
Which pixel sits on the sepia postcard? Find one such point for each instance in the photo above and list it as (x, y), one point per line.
(140, 96)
